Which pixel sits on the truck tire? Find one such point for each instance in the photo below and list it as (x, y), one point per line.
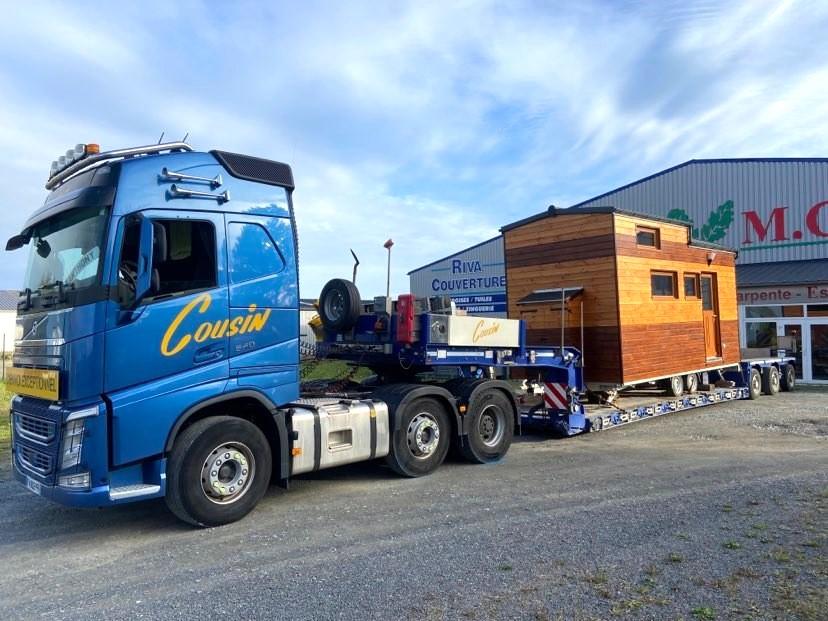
(770, 380)
(421, 442)
(788, 378)
(339, 305)
(491, 427)
(754, 384)
(218, 470)
(675, 386)
(691, 383)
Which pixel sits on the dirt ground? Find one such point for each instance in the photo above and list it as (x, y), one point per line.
(718, 513)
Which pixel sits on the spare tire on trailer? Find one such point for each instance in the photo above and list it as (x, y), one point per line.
(339, 305)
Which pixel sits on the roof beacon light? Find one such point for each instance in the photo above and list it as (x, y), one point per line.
(92, 148)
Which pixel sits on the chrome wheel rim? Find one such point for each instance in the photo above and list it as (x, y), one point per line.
(490, 425)
(335, 306)
(423, 435)
(227, 473)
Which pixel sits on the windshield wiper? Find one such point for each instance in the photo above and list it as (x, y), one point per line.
(59, 297)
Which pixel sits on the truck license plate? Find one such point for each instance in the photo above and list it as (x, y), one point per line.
(33, 485)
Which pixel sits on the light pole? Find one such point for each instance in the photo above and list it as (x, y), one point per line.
(387, 245)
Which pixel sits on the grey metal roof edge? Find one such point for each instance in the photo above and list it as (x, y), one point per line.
(454, 254)
(743, 160)
(814, 265)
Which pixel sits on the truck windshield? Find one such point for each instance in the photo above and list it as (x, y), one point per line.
(66, 248)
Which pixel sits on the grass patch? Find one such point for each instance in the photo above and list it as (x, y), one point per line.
(706, 613)
(504, 567)
(727, 508)
(675, 557)
(780, 555)
(599, 577)
(732, 545)
(5, 431)
(331, 370)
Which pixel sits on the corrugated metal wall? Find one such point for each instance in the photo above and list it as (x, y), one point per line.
(731, 202)
(475, 278)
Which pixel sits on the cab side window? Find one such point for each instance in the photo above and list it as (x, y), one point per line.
(253, 253)
(184, 257)
(128, 265)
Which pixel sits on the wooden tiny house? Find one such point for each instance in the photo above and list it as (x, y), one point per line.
(654, 303)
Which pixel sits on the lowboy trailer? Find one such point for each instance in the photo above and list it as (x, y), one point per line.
(159, 347)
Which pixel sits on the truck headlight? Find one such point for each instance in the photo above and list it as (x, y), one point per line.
(75, 481)
(72, 444)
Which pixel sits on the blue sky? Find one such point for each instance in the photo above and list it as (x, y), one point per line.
(433, 123)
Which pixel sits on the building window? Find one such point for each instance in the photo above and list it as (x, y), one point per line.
(645, 236)
(761, 334)
(691, 286)
(817, 310)
(763, 312)
(663, 284)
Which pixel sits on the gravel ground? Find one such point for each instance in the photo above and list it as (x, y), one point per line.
(721, 513)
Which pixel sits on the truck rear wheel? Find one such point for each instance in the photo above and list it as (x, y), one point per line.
(788, 378)
(491, 427)
(218, 471)
(422, 439)
(755, 384)
(770, 380)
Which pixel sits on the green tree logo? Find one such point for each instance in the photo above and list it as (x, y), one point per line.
(718, 222)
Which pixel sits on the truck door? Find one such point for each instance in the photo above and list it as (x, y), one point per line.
(264, 304)
(163, 351)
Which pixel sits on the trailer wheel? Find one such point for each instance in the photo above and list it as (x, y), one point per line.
(755, 384)
(691, 382)
(218, 470)
(788, 379)
(420, 444)
(491, 427)
(675, 386)
(339, 304)
(770, 380)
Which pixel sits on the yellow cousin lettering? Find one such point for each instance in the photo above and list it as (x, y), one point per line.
(481, 332)
(252, 322)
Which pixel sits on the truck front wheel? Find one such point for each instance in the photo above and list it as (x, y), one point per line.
(421, 441)
(218, 471)
(491, 427)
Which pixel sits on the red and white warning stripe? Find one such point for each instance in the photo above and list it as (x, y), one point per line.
(554, 395)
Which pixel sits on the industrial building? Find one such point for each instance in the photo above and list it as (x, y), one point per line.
(773, 211)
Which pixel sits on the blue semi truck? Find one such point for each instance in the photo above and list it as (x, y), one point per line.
(158, 350)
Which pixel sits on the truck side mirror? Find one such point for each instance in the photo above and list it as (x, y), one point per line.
(151, 253)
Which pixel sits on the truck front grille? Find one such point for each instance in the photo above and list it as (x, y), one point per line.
(34, 428)
(35, 460)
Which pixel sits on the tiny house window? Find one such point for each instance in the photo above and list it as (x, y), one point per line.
(691, 286)
(663, 284)
(646, 236)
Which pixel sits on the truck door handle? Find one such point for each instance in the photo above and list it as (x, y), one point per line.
(209, 353)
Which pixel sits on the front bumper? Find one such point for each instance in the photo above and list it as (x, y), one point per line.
(38, 429)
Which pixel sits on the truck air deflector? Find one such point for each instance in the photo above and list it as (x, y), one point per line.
(256, 169)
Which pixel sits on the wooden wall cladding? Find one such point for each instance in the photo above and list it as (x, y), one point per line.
(669, 348)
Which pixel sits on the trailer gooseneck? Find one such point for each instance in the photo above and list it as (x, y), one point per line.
(159, 348)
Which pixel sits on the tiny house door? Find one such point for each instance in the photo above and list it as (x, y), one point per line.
(710, 312)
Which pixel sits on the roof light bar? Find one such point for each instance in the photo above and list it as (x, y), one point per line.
(84, 155)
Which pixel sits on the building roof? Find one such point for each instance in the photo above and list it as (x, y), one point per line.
(782, 273)
(8, 300)
(541, 296)
(553, 211)
(454, 254)
(770, 160)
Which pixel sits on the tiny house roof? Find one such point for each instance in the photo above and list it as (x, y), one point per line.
(553, 212)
